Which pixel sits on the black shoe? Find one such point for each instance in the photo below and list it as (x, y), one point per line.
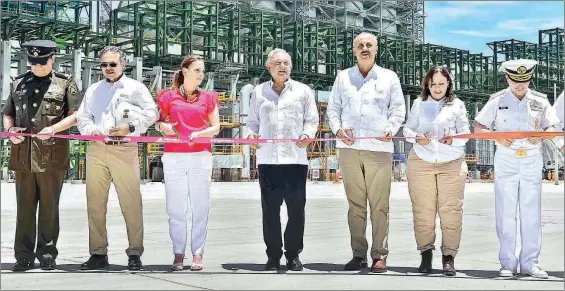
(294, 265)
(134, 263)
(23, 265)
(448, 266)
(426, 265)
(356, 264)
(272, 264)
(47, 263)
(95, 262)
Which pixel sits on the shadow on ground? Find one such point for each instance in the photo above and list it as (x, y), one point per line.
(326, 269)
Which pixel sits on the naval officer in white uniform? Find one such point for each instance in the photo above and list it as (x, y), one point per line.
(518, 166)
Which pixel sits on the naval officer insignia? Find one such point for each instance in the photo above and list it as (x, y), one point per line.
(536, 105)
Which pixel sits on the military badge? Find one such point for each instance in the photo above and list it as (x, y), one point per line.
(536, 105)
(521, 70)
(126, 114)
(73, 88)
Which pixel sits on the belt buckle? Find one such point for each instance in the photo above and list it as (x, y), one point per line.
(521, 152)
(114, 141)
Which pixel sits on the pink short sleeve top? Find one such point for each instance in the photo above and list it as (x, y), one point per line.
(190, 117)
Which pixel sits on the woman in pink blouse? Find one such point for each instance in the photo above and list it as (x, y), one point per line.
(188, 111)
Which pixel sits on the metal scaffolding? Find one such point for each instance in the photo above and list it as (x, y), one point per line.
(235, 37)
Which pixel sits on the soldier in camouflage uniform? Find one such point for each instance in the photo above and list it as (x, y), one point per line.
(42, 102)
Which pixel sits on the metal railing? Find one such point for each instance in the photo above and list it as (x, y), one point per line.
(227, 149)
(229, 120)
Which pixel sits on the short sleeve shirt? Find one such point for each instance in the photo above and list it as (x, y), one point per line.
(190, 117)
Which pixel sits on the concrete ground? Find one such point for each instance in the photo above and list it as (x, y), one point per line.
(235, 253)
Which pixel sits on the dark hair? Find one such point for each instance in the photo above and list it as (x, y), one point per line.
(449, 95)
(178, 77)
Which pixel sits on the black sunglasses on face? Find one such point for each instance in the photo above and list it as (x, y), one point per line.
(111, 65)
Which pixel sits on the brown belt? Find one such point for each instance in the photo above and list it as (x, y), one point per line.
(115, 142)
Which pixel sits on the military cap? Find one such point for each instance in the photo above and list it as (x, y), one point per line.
(519, 71)
(39, 51)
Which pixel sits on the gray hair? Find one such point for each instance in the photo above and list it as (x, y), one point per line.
(276, 51)
(364, 34)
(115, 50)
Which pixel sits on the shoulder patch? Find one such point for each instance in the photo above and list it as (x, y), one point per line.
(20, 76)
(538, 94)
(497, 94)
(73, 88)
(63, 75)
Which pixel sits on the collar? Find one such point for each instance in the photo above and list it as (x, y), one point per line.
(431, 99)
(510, 94)
(120, 80)
(48, 76)
(372, 72)
(287, 83)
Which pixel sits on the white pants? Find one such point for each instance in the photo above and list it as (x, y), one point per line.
(517, 181)
(187, 180)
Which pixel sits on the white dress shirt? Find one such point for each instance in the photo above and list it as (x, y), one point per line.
(558, 107)
(289, 115)
(438, 119)
(98, 110)
(507, 113)
(371, 106)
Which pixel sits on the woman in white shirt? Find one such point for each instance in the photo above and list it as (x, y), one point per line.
(436, 167)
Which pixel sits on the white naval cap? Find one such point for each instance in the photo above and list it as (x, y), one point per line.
(520, 70)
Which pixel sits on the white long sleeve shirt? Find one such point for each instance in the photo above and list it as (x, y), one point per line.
(558, 107)
(438, 119)
(289, 115)
(99, 108)
(505, 112)
(371, 106)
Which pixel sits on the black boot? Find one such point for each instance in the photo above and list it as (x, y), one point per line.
(426, 265)
(23, 265)
(448, 266)
(273, 264)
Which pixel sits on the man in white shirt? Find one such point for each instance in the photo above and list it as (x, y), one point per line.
(366, 101)
(518, 165)
(282, 108)
(116, 106)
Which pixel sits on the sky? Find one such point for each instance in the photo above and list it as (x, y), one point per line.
(471, 24)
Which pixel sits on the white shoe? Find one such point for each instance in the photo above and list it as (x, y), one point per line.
(506, 272)
(536, 272)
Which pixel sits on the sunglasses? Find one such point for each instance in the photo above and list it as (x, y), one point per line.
(111, 65)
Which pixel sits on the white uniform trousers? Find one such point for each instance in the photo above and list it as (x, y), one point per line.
(187, 180)
(517, 182)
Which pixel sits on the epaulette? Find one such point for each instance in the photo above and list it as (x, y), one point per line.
(20, 76)
(497, 94)
(538, 94)
(63, 76)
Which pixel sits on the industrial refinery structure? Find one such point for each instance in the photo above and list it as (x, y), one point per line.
(235, 37)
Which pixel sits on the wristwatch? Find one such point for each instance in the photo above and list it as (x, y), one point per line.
(131, 127)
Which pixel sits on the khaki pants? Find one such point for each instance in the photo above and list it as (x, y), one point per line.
(436, 188)
(367, 176)
(120, 164)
